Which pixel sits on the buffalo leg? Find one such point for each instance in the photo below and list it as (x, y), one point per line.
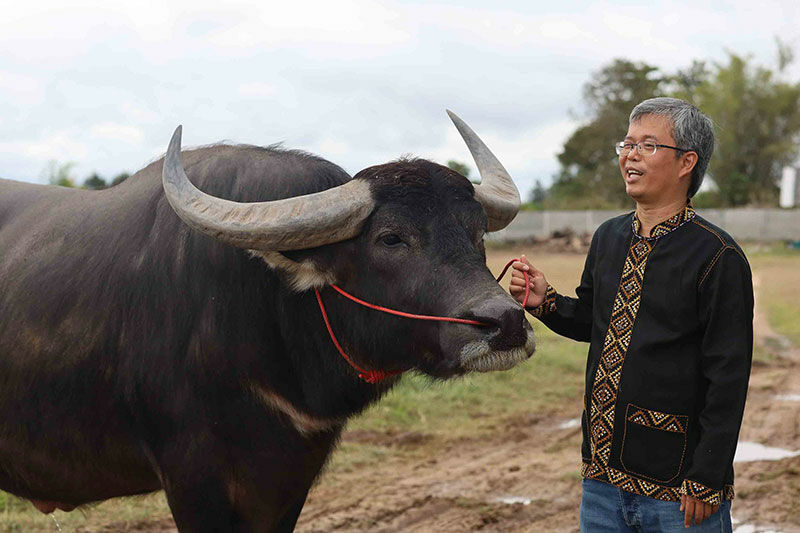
(201, 505)
(289, 519)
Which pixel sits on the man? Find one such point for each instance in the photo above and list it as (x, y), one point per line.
(666, 302)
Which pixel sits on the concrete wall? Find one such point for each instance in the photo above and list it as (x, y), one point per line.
(743, 224)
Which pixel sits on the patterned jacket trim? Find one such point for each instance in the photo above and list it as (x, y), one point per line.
(656, 419)
(642, 487)
(703, 493)
(547, 306)
(662, 228)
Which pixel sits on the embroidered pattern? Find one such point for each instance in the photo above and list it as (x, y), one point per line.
(629, 483)
(701, 492)
(655, 419)
(662, 228)
(547, 306)
(603, 399)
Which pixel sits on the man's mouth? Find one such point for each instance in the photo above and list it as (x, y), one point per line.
(632, 174)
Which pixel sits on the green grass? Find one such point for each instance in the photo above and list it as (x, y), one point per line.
(350, 456)
(784, 317)
(553, 376)
(123, 513)
(763, 356)
(770, 249)
(778, 271)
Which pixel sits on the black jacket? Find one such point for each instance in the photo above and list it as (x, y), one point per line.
(670, 322)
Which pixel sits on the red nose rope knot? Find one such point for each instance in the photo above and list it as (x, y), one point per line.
(375, 376)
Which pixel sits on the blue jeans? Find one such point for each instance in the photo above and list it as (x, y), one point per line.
(604, 507)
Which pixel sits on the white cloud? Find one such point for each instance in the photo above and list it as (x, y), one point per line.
(257, 90)
(31, 156)
(360, 82)
(649, 34)
(331, 148)
(118, 132)
(562, 30)
(58, 145)
(138, 113)
(303, 23)
(23, 90)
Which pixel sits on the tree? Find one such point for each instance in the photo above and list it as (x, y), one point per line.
(756, 111)
(685, 82)
(757, 119)
(459, 167)
(537, 195)
(590, 175)
(122, 176)
(95, 182)
(59, 173)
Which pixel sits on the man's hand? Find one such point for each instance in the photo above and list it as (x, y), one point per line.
(697, 509)
(538, 283)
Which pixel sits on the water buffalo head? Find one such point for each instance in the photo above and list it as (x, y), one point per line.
(407, 235)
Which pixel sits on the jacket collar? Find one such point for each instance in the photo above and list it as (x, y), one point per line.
(667, 226)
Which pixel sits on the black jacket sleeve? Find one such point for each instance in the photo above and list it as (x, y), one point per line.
(571, 317)
(726, 313)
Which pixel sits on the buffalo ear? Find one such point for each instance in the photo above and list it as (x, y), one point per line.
(301, 273)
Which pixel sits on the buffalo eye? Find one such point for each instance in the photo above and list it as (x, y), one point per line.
(390, 239)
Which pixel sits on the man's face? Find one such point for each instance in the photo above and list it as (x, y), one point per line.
(655, 178)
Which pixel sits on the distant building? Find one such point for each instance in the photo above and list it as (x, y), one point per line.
(790, 188)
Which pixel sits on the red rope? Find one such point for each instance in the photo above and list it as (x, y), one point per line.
(374, 376)
(370, 376)
(407, 315)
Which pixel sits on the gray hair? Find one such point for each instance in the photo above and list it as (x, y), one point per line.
(691, 129)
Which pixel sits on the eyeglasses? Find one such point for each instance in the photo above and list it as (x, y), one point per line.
(645, 148)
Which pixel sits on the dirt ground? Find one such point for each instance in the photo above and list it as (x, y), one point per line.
(460, 486)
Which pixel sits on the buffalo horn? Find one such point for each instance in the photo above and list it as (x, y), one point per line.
(496, 192)
(295, 223)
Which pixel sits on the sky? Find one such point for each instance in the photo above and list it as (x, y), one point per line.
(103, 84)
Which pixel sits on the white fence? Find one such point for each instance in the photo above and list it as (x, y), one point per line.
(742, 224)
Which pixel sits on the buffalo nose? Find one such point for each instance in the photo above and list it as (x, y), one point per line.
(506, 320)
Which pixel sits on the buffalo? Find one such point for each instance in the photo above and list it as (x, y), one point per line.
(155, 336)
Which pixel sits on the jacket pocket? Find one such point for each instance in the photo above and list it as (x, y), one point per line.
(654, 443)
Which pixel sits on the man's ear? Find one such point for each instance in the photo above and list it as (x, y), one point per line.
(688, 162)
